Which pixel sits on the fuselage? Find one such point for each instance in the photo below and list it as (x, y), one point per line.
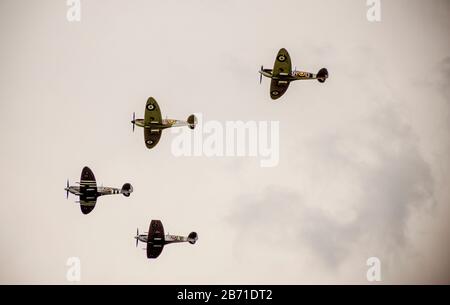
(142, 238)
(73, 190)
(166, 123)
(101, 190)
(294, 75)
(168, 239)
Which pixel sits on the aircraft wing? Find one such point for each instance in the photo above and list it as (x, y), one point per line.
(88, 190)
(278, 88)
(87, 204)
(282, 67)
(88, 185)
(155, 240)
(152, 112)
(282, 64)
(151, 137)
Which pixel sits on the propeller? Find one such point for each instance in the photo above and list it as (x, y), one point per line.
(67, 189)
(260, 74)
(137, 236)
(134, 120)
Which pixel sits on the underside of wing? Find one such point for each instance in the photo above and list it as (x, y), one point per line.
(88, 185)
(278, 88)
(155, 241)
(282, 64)
(152, 137)
(152, 112)
(87, 204)
(87, 175)
(88, 190)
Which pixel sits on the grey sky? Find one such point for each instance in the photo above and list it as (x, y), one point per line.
(364, 158)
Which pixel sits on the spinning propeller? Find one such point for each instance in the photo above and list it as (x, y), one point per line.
(134, 120)
(260, 74)
(137, 236)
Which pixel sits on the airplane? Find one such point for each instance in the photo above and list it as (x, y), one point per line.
(88, 191)
(282, 74)
(154, 124)
(155, 238)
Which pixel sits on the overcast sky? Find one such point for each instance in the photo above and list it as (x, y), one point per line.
(364, 158)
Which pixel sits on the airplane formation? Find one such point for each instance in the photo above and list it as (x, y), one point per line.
(153, 124)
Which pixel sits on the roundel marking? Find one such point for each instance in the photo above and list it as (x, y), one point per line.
(281, 58)
(150, 107)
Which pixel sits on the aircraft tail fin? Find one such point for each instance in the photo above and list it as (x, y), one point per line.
(192, 237)
(192, 121)
(322, 75)
(127, 189)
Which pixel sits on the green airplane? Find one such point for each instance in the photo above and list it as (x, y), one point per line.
(154, 124)
(282, 74)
